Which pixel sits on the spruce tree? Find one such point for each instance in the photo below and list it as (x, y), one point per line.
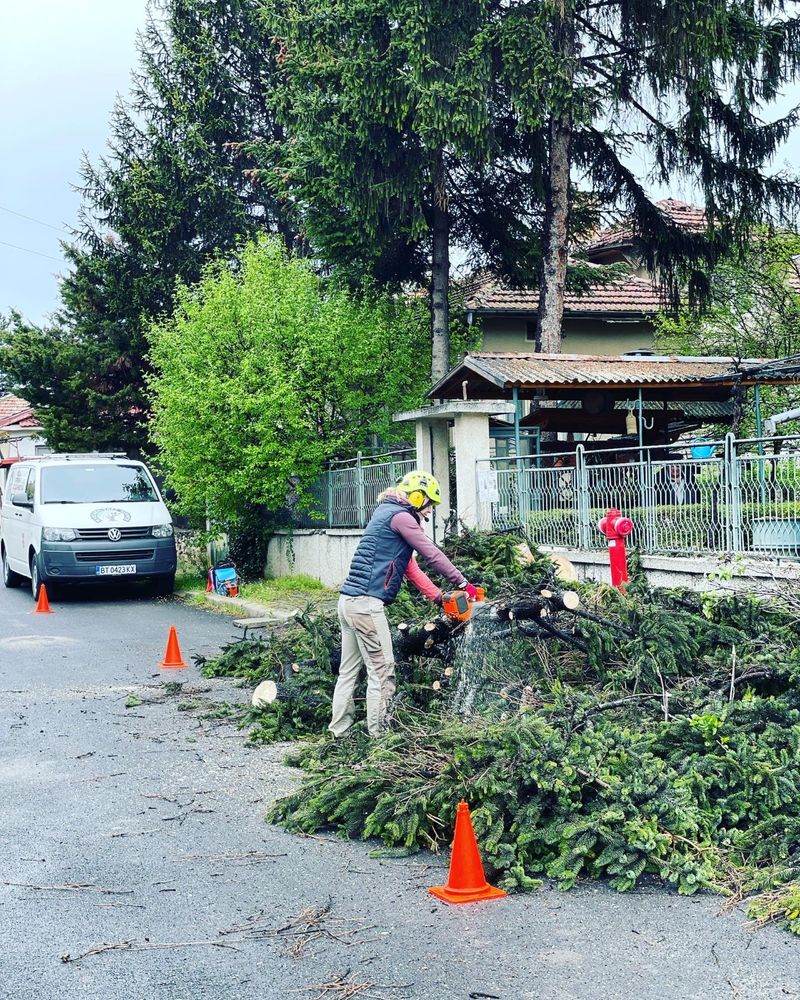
(681, 83)
(403, 141)
(405, 116)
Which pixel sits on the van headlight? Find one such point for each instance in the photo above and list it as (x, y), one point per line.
(58, 535)
(162, 530)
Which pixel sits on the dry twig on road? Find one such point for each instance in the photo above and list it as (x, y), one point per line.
(99, 949)
(241, 857)
(344, 987)
(72, 887)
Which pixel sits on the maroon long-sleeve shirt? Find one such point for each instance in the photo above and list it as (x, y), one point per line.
(410, 530)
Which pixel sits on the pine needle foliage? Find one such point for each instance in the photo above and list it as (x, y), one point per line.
(668, 748)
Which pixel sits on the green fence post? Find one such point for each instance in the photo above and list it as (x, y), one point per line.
(582, 490)
(733, 495)
(362, 511)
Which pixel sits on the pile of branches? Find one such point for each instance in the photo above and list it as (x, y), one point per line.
(653, 733)
(300, 660)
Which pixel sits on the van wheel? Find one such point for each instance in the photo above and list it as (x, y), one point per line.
(163, 586)
(36, 576)
(10, 578)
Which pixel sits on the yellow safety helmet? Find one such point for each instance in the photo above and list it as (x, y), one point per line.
(420, 486)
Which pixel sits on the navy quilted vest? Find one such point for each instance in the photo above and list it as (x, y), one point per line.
(380, 561)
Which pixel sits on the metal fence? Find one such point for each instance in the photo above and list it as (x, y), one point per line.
(347, 492)
(732, 495)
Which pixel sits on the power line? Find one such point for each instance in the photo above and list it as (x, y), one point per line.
(14, 246)
(30, 218)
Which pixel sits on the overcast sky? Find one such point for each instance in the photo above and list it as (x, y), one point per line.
(61, 64)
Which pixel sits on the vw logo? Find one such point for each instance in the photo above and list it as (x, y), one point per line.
(114, 534)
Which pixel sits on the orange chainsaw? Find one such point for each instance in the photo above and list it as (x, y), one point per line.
(457, 605)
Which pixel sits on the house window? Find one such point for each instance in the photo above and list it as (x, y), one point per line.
(530, 330)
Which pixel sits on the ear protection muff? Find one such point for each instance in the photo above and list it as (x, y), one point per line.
(416, 498)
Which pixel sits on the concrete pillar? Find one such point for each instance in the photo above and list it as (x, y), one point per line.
(470, 418)
(471, 441)
(433, 455)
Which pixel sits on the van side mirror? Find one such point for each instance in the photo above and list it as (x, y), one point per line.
(21, 500)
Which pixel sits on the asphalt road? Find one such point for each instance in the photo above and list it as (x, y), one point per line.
(143, 828)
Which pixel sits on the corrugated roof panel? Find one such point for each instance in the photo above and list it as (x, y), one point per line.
(554, 369)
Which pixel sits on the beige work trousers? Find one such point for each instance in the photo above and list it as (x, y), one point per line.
(367, 641)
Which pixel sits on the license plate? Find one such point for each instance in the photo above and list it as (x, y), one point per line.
(122, 570)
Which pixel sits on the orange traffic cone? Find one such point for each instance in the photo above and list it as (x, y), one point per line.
(466, 882)
(173, 660)
(43, 605)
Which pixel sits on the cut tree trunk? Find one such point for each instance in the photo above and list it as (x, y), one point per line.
(269, 692)
(545, 604)
(562, 600)
(423, 640)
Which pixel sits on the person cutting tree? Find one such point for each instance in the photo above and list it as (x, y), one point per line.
(383, 559)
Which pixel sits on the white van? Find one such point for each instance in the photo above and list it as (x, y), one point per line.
(71, 518)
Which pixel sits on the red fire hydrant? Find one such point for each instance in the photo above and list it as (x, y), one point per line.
(616, 528)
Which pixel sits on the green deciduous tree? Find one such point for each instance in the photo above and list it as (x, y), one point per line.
(263, 374)
(754, 312)
(172, 192)
(755, 305)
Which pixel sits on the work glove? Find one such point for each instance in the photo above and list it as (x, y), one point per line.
(438, 599)
(471, 591)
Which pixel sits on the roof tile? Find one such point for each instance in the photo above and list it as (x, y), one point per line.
(680, 212)
(16, 412)
(628, 294)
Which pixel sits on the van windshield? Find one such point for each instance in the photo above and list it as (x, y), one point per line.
(104, 483)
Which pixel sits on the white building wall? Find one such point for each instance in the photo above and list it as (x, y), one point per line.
(20, 444)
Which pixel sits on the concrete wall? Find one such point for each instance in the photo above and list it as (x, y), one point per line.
(326, 555)
(580, 336)
(700, 574)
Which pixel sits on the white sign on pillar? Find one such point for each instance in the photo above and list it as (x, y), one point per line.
(488, 490)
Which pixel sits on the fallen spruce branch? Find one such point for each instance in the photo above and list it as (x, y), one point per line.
(620, 742)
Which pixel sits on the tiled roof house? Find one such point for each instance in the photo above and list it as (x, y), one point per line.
(20, 430)
(610, 318)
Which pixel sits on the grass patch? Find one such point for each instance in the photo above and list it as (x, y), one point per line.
(294, 587)
(188, 580)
